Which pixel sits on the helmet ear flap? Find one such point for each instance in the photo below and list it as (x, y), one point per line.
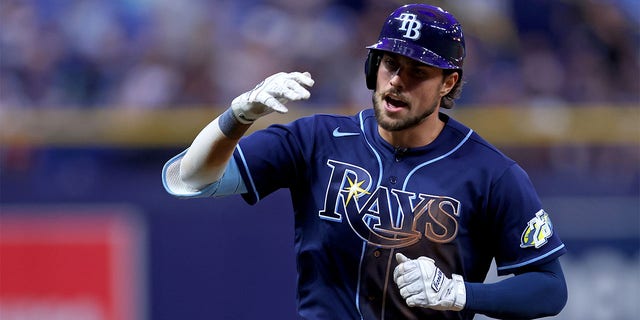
(371, 68)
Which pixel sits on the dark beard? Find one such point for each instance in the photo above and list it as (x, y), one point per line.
(402, 124)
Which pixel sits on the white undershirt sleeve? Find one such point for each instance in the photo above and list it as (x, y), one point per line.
(230, 183)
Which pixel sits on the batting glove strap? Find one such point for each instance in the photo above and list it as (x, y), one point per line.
(460, 296)
(270, 95)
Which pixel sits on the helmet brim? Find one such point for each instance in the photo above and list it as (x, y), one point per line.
(412, 51)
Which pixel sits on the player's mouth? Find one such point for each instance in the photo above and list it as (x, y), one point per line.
(394, 103)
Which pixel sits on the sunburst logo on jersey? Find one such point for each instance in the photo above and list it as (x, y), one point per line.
(355, 190)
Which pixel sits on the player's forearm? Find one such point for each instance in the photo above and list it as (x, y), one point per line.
(208, 155)
(525, 296)
(211, 150)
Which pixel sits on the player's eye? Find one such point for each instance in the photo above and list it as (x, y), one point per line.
(390, 64)
(418, 72)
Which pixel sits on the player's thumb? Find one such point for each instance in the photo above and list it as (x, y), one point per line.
(401, 258)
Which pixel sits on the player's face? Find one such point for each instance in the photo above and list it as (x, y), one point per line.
(407, 92)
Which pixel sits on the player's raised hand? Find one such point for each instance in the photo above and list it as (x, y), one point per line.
(423, 284)
(271, 95)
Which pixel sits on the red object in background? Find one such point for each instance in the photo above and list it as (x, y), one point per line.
(71, 263)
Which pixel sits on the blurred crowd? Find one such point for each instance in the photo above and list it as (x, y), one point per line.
(168, 54)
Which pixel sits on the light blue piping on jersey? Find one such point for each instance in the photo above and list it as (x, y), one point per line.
(364, 247)
(406, 181)
(436, 159)
(364, 243)
(517, 265)
(246, 168)
(372, 148)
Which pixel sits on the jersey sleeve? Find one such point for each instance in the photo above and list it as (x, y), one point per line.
(523, 231)
(273, 158)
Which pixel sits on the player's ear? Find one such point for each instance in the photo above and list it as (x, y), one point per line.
(448, 82)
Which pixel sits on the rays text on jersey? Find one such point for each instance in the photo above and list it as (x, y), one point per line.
(384, 216)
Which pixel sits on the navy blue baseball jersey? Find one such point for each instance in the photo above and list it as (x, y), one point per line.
(358, 200)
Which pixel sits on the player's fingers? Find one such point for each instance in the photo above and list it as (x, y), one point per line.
(405, 293)
(401, 257)
(294, 91)
(272, 103)
(427, 259)
(396, 275)
(408, 266)
(303, 78)
(412, 289)
(403, 269)
(416, 299)
(398, 271)
(286, 90)
(408, 276)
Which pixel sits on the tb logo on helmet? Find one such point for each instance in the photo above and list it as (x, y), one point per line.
(411, 25)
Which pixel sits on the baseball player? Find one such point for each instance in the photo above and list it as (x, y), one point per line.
(399, 209)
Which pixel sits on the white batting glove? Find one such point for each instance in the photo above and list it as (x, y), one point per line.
(424, 285)
(271, 95)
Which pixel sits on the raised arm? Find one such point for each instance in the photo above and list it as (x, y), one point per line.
(209, 153)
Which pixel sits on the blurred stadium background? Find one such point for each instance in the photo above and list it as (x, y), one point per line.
(95, 95)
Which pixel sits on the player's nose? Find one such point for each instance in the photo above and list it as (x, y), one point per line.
(396, 78)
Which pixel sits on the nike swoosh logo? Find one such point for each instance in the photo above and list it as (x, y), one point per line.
(337, 133)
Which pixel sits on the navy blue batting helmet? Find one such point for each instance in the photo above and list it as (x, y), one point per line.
(421, 32)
